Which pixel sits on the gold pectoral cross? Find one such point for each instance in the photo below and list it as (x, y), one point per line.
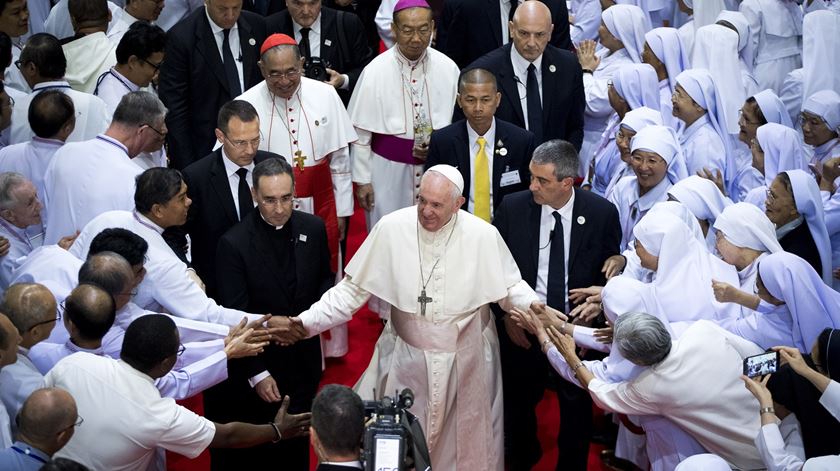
(299, 159)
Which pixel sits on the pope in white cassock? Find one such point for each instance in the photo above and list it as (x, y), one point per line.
(401, 97)
(305, 121)
(439, 268)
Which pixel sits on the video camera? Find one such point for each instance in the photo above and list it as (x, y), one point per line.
(394, 440)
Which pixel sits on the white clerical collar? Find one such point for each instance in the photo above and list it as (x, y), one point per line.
(276, 228)
(520, 64)
(473, 136)
(51, 84)
(315, 26)
(411, 63)
(131, 86)
(231, 167)
(565, 211)
(216, 29)
(44, 142)
(129, 18)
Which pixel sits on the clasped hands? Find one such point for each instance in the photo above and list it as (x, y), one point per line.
(544, 323)
(286, 330)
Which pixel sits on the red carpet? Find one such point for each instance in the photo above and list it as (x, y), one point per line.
(364, 329)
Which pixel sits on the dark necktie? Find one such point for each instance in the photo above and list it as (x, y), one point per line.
(534, 104)
(556, 295)
(304, 43)
(513, 5)
(230, 67)
(246, 204)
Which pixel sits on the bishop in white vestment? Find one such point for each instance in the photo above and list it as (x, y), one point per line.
(441, 341)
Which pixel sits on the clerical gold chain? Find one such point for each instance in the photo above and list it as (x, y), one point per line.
(420, 255)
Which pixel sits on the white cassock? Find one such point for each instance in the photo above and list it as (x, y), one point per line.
(111, 88)
(382, 110)
(598, 109)
(776, 38)
(175, 11)
(13, 78)
(447, 352)
(17, 382)
(166, 287)
(20, 245)
(705, 362)
(31, 160)
(84, 180)
(119, 25)
(92, 117)
(58, 22)
(702, 147)
(87, 58)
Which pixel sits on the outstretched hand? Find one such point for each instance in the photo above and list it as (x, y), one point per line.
(287, 330)
(586, 55)
(613, 266)
(291, 425)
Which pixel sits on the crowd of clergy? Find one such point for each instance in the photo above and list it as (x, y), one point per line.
(177, 180)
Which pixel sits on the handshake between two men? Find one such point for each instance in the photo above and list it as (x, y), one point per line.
(250, 338)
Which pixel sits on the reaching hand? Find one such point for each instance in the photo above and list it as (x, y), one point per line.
(586, 55)
(586, 312)
(759, 390)
(291, 425)
(591, 294)
(364, 194)
(267, 390)
(565, 344)
(724, 292)
(67, 241)
(287, 330)
(244, 341)
(613, 266)
(4, 246)
(715, 178)
(604, 335)
(514, 327)
(831, 169)
(548, 315)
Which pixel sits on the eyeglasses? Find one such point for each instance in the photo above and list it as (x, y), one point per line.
(242, 144)
(288, 75)
(273, 202)
(743, 118)
(19, 63)
(79, 421)
(159, 133)
(181, 349)
(57, 318)
(770, 196)
(152, 64)
(811, 120)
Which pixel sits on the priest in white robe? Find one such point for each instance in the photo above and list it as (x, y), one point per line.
(441, 341)
(305, 121)
(91, 53)
(401, 97)
(19, 209)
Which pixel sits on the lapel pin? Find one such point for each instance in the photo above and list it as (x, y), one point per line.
(327, 42)
(500, 143)
(503, 151)
(302, 237)
(552, 69)
(581, 220)
(252, 42)
(324, 120)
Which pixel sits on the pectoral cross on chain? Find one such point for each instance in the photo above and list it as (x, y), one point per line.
(299, 159)
(423, 300)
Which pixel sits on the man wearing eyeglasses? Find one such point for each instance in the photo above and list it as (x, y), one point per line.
(305, 121)
(219, 185)
(47, 422)
(32, 309)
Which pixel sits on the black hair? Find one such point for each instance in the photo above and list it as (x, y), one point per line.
(148, 341)
(338, 416)
(49, 111)
(141, 40)
(44, 51)
(121, 241)
(156, 186)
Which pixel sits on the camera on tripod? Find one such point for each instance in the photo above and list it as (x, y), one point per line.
(316, 69)
(394, 440)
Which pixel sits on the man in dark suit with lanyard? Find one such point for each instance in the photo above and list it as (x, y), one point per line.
(560, 237)
(211, 58)
(492, 155)
(541, 85)
(336, 37)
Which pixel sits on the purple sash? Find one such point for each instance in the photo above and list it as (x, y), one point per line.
(395, 149)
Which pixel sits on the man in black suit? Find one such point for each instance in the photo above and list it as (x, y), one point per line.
(585, 230)
(508, 148)
(464, 35)
(541, 85)
(206, 66)
(220, 185)
(337, 37)
(338, 416)
(275, 260)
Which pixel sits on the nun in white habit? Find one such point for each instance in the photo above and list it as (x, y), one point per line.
(736, 21)
(820, 123)
(705, 139)
(633, 122)
(703, 12)
(806, 195)
(665, 52)
(704, 200)
(775, 36)
(622, 35)
(775, 149)
(716, 50)
(657, 161)
(633, 86)
(820, 54)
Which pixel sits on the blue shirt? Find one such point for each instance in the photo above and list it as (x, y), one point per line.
(22, 457)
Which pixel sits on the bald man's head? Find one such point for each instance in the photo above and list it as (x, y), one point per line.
(47, 419)
(29, 305)
(91, 309)
(111, 272)
(531, 29)
(476, 76)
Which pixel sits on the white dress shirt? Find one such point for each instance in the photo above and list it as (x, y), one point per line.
(315, 45)
(113, 87)
(17, 382)
(520, 73)
(504, 16)
(489, 147)
(235, 47)
(125, 416)
(547, 224)
(233, 178)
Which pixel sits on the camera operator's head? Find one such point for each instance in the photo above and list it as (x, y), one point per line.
(338, 417)
(281, 65)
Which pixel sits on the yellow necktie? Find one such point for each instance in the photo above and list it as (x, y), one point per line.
(481, 188)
